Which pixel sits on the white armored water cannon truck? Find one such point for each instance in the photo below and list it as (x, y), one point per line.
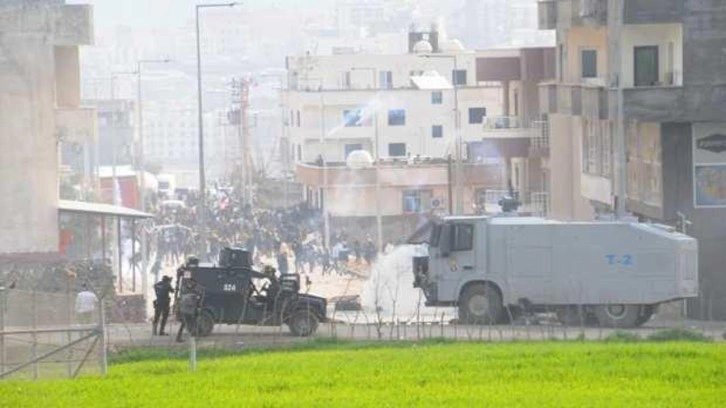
(614, 274)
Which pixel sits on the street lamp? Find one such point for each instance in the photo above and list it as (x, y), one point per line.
(324, 195)
(376, 157)
(458, 138)
(142, 169)
(202, 180)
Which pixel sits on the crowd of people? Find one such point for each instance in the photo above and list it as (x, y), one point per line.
(292, 238)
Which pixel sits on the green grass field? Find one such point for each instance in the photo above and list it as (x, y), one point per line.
(554, 374)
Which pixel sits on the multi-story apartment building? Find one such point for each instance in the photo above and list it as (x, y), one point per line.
(39, 112)
(666, 60)
(171, 141)
(402, 109)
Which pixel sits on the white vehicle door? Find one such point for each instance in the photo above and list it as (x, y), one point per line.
(456, 260)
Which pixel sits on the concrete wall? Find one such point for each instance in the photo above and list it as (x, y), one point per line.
(28, 132)
(567, 202)
(29, 219)
(585, 38)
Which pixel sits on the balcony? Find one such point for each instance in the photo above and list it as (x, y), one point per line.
(574, 99)
(76, 125)
(505, 127)
(547, 14)
(696, 103)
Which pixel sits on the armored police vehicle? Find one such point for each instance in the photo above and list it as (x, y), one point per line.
(232, 292)
(614, 274)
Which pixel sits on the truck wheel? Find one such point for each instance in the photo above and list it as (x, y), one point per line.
(646, 312)
(572, 315)
(620, 316)
(303, 323)
(480, 304)
(203, 325)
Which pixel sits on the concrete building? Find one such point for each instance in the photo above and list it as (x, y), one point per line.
(667, 57)
(171, 141)
(39, 111)
(116, 130)
(401, 110)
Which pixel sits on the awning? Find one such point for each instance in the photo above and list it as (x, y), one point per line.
(81, 207)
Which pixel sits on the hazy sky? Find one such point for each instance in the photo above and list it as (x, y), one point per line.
(169, 13)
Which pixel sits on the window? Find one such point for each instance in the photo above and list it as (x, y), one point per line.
(416, 201)
(646, 65)
(477, 115)
(298, 118)
(463, 237)
(458, 77)
(349, 148)
(397, 149)
(397, 117)
(299, 152)
(354, 118)
(385, 79)
(588, 62)
(437, 131)
(437, 97)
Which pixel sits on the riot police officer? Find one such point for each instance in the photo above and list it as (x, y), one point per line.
(163, 291)
(191, 295)
(189, 303)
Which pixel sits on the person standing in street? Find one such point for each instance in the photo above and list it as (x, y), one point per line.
(163, 290)
(86, 303)
(282, 259)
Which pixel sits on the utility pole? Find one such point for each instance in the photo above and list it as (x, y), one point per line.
(324, 195)
(458, 148)
(200, 117)
(377, 161)
(619, 142)
(142, 169)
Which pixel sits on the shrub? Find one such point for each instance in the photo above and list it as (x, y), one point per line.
(621, 336)
(678, 335)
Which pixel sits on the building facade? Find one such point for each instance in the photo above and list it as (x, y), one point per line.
(666, 57)
(402, 110)
(39, 112)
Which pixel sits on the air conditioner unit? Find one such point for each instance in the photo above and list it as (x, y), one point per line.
(437, 202)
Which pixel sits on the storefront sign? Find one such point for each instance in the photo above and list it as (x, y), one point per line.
(716, 143)
(709, 165)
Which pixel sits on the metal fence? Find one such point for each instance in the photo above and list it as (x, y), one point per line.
(42, 336)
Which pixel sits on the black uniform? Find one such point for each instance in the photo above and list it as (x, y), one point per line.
(163, 291)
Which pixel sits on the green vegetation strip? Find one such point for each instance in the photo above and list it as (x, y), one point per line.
(555, 374)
